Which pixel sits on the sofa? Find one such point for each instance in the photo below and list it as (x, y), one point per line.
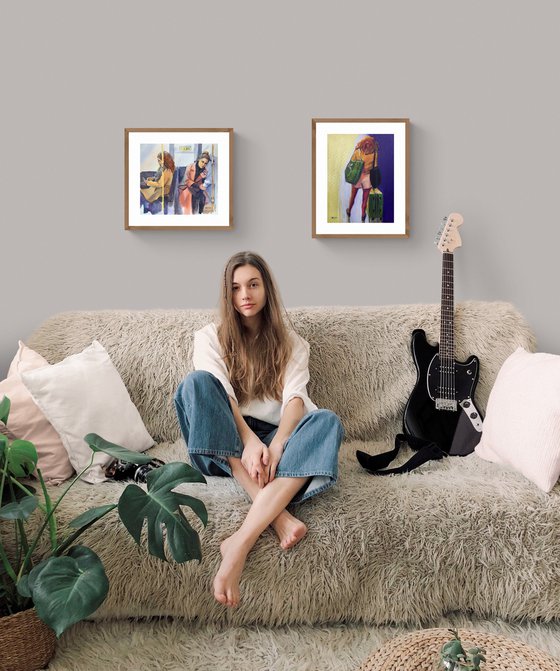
(461, 534)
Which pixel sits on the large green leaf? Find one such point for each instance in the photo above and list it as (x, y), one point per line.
(21, 456)
(173, 474)
(4, 409)
(23, 585)
(19, 510)
(161, 508)
(68, 589)
(99, 444)
(91, 515)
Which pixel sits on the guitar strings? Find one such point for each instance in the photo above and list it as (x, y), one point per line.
(446, 347)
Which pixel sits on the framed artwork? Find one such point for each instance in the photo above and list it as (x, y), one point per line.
(178, 178)
(360, 178)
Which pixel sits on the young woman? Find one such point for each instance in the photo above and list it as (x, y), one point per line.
(244, 412)
(160, 184)
(193, 193)
(366, 150)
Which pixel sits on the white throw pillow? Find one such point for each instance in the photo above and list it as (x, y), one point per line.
(85, 394)
(522, 424)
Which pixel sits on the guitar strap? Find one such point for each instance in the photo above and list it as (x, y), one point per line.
(377, 464)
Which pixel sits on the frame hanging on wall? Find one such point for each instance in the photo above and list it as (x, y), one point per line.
(360, 178)
(178, 178)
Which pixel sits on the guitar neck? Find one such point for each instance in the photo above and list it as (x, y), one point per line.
(446, 342)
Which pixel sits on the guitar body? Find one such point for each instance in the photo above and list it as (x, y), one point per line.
(455, 431)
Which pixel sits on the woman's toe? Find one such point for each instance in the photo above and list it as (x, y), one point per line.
(222, 598)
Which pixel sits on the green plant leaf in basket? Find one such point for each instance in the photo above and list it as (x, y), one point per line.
(4, 410)
(99, 444)
(23, 586)
(161, 507)
(19, 510)
(21, 457)
(91, 515)
(67, 589)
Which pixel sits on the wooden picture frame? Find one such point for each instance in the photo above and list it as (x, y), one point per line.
(352, 158)
(178, 179)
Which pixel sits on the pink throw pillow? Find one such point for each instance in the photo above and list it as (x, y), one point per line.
(27, 422)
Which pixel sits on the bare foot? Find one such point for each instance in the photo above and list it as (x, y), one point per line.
(289, 530)
(226, 583)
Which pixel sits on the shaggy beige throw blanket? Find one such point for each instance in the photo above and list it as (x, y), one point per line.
(462, 534)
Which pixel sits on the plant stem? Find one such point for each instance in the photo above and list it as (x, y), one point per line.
(4, 473)
(48, 506)
(22, 543)
(27, 557)
(65, 544)
(6, 562)
(3, 556)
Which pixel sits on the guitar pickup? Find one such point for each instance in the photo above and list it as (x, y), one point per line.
(446, 404)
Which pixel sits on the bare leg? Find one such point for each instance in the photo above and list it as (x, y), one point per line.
(288, 528)
(365, 196)
(353, 193)
(268, 504)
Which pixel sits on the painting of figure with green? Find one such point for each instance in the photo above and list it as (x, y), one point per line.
(360, 178)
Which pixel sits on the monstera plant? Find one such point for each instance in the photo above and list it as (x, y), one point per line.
(67, 582)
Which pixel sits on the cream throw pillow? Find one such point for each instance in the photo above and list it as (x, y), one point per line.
(522, 424)
(27, 422)
(84, 394)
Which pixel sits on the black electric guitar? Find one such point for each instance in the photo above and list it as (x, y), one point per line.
(440, 417)
(441, 406)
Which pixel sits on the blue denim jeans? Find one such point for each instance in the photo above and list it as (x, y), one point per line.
(211, 435)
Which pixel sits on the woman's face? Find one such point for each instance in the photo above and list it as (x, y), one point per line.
(203, 162)
(249, 295)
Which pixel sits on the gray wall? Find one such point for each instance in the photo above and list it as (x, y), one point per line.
(478, 81)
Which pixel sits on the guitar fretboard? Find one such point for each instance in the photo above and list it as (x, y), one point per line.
(446, 341)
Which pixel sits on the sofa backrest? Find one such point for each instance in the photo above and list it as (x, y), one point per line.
(360, 365)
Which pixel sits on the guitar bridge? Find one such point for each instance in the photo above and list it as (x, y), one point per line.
(446, 404)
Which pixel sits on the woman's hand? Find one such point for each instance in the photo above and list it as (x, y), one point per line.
(252, 460)
(271, 458)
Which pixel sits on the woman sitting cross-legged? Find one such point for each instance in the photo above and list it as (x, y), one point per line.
(244, 412)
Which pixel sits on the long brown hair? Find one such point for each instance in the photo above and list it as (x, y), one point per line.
(368, 145)
(256, 366)
(168, 162)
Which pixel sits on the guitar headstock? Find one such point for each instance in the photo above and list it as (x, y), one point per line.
(448, 238)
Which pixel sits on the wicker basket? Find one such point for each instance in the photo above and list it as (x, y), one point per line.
(419, 650)
(26, 643)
